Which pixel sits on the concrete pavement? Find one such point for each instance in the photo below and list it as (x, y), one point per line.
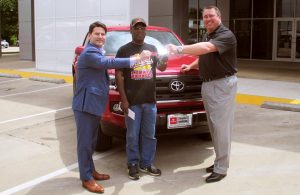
(38, 145)
(259, 81)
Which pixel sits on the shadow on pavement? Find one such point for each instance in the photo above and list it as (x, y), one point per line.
(181, 159)
(275, 129)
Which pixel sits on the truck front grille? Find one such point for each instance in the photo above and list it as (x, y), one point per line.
(178, 87)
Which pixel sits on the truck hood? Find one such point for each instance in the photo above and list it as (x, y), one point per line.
(175, 62)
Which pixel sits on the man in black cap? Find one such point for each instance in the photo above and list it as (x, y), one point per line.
(138, 96)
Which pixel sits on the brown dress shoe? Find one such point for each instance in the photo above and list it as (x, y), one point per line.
(92, 186)
(98, 176)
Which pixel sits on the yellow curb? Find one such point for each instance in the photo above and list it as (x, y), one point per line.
(258, 100)
(240, 98)
(24, 74)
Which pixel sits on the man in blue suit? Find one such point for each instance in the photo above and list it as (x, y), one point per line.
(90, 99)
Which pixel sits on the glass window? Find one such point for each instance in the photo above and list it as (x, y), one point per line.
(203, 3)
(240, 9)
(263, 9)
(297, 8)
(298, 40)
(193, 22)
(285, 8)
(242, 31)
(196, 25)
(284, 39)
(262, 39)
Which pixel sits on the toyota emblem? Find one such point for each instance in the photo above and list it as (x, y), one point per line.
(176, 86)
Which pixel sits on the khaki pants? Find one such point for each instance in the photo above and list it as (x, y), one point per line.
(219, 102)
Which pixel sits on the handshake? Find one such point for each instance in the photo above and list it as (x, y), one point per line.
(141, 59)
(143, 56)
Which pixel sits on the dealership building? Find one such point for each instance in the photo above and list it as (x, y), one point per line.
(50, 30)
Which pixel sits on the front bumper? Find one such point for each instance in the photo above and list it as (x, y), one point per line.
(199, 125)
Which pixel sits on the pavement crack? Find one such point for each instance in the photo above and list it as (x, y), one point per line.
(29, 140)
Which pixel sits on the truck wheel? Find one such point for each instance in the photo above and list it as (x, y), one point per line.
(74, 85)
(205, 136)
(74, 81)
(104, 142)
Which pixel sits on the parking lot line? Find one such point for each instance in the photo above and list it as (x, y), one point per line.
(34, 91)
(34, 115)
(53, 174)
(11, 80)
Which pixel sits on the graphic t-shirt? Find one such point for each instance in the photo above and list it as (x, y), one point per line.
(140, 81)
(142, 71)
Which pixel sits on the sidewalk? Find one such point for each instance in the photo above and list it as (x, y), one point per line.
(269, 70)
(12, 65)
(268, 81)
(259, 81)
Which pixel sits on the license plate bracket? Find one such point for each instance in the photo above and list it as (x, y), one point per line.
(175, 121)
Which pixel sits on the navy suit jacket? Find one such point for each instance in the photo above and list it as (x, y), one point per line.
(92, 82)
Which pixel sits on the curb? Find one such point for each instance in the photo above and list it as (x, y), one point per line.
(10, 75)
(49, 80)
(38, 76)
(259, 100)
(281, 106)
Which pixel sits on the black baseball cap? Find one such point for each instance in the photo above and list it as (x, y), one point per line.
(135, 21)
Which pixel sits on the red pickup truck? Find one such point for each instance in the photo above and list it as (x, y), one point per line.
(179, 103)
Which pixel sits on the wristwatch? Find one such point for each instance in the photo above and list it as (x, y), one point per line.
(179, 49)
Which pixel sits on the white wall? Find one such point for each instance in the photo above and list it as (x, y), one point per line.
(25, 31)
(61, 25)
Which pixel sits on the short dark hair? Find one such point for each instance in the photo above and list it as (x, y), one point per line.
(213, 7)
(97, 24)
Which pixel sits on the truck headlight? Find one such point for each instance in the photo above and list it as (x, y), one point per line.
(112, 82)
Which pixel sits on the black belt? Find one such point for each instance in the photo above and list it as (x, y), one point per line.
(216, 78)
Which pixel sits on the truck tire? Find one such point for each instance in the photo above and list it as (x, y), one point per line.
(104, 142)
(205, 136)
(74, 81)
(74, 85)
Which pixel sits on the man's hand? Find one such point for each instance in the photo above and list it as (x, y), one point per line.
(163, 59)
(162, 62)
(145, 55)
(139, 59)
(172, 49)
(185, 68)
(125, 106)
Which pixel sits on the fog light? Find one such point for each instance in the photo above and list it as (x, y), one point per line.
(116, 107)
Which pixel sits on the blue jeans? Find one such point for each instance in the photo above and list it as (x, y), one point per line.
(140, 137)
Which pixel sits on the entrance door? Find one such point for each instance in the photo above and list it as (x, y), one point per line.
(287, 39)
(297, 41)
